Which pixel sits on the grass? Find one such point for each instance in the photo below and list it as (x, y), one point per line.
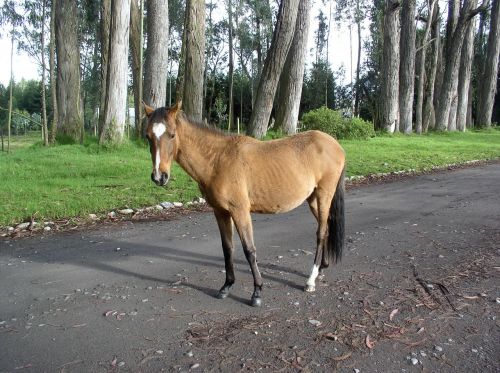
(74, 180)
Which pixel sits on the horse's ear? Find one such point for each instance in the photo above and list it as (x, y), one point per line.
(147, 109)
(176, 108)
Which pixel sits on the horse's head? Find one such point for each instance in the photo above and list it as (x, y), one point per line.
(160, 133)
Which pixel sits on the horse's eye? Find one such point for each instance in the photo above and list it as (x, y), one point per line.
(172, 135)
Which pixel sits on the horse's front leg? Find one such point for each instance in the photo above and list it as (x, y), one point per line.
(243, 222)
(226, 234)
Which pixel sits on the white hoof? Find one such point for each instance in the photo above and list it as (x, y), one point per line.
(310, 288)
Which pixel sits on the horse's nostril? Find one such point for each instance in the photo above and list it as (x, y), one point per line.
(163, 179)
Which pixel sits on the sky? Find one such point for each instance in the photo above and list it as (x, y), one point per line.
(339, 52)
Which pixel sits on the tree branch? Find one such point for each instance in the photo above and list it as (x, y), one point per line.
(482, 8)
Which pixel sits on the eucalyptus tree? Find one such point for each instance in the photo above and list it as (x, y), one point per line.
(354, 12)
(117, 74)
(136, 40)
(273, 66)
(194, 59)
(389, 86)
(291, 82)
(490, 70)
(407, 66)
(156, 61)
(451, 63)
(464, 78)
(70, 111)
(431, 4)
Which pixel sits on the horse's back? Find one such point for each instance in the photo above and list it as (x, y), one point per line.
(278, 175)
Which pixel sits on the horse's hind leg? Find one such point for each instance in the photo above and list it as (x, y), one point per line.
(320, 206)
(226, 234)
(243, 222)
(313, 205)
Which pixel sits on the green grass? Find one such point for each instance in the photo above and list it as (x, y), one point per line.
(74, 180)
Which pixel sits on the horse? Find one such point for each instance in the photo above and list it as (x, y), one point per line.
(240, 175)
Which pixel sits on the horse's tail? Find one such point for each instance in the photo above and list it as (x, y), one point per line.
(336, 222)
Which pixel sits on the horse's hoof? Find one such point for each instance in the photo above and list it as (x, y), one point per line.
(222, 294)
(310, 288)
(256, 302)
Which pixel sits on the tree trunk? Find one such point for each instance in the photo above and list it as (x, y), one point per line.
(275, 59)
(70, 119)
(357, 96)
(389, 94)
(421, 69)
(117, 74)
(489, 78)
(156, 61)
(179, 84)
(9, 118)
(407, 67)
(292, 78)
(136, 16)
(195, 53)
(44, 103)
(464, 77)
(52, 66)
(231, 66)
(429, 115)
(450, 77)
(105, 27)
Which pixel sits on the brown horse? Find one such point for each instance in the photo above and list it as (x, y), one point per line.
(239, 175)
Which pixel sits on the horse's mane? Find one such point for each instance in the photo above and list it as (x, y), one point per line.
(202, 126)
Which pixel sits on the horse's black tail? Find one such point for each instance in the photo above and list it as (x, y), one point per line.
(336, 223)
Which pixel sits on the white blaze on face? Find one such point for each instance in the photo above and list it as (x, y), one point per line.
(158, 129)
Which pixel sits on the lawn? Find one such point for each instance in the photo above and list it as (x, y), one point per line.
(74, 180)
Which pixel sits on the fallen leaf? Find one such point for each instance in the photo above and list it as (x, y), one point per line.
(470, 296)
(393, 313)
(330, 336)
(113, 362)
(369, 343)
(342, 357)
(108, 313)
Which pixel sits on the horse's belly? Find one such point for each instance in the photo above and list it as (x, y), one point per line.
(282, 201)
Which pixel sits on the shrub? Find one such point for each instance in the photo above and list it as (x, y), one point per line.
(334, 123)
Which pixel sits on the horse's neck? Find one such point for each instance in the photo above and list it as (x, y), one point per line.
(197, 150)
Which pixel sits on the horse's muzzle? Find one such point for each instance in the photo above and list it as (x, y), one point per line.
(160, 181)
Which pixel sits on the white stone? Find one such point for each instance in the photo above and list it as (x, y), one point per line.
(47, 228)
(178, 204)
(315, 322)
(112, 214)
(414, 361)
(167, 205)
(126, 211)
(23, 225)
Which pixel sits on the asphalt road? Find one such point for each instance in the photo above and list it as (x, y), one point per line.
(417, 290)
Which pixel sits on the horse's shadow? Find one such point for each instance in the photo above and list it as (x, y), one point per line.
(100, 258)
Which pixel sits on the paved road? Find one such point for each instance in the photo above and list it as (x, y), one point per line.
(140, 296)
